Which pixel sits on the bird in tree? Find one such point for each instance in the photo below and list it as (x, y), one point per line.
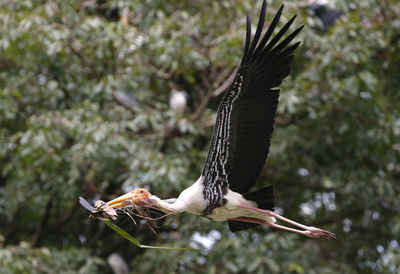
(240, 142)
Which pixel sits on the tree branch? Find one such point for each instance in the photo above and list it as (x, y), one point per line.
(211, 94)
(42, 225)
(225, 85)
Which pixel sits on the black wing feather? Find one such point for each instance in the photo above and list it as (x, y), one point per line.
(260, 26)
(248, 37)
(244, 125)
(269, 32)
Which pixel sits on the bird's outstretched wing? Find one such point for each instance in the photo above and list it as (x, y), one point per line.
(242, 132)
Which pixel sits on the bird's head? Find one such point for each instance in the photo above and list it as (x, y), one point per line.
(138, 196)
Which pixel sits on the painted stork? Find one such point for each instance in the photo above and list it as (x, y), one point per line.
(240, 142)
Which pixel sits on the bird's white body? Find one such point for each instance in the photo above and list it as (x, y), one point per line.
(192, 201)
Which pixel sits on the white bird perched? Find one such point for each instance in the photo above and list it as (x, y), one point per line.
(178, 101)
(240, 142)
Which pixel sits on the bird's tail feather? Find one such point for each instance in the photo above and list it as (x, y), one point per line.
(264, 199)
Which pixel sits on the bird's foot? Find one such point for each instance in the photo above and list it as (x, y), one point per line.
(314, 232)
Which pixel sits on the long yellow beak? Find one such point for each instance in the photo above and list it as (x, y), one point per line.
(122, 200)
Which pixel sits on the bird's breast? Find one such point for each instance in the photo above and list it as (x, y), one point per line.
(231, 208)
(193, 201)
(192, 198)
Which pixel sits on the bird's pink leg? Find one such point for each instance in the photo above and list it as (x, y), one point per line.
(262, 222)
(308, 230)
(275, 215)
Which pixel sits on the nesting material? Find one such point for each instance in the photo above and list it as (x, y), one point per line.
(101, 210)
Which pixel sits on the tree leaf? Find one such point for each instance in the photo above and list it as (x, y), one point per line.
(127, 236)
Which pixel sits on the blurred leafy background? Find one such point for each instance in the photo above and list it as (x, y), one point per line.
(84, 90)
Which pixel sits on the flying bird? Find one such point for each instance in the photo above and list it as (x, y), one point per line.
(240, 142)
(326, 15)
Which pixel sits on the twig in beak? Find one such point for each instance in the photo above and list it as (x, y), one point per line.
(127, 213)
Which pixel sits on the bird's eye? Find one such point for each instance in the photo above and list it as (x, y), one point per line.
(141, 191)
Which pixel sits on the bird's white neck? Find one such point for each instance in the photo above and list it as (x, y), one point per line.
(166, 207)
(190, 200)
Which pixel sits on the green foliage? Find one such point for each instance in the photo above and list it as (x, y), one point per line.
(23, 258)
(64, 133)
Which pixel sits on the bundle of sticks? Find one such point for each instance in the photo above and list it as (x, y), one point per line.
(104, 212)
